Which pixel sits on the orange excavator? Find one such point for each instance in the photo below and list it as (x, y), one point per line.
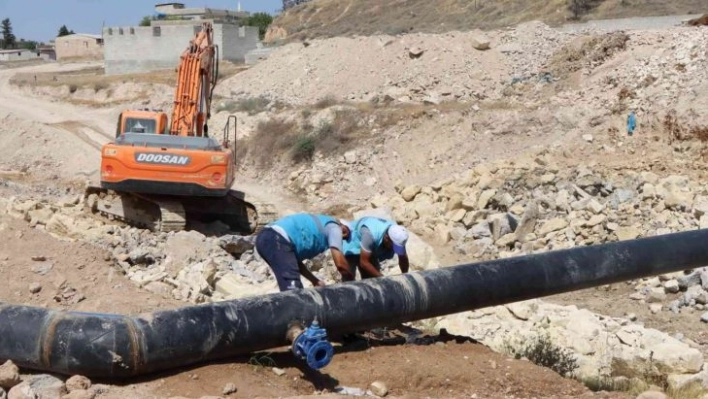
(169, 175)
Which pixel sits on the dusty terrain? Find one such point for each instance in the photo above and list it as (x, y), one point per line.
(331, 18)
(445, 136)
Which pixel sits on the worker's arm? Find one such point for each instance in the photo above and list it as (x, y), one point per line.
(309, 276)
(367, 250)
(341, 263)
(403, 263)
(366, 264)
(336, 247)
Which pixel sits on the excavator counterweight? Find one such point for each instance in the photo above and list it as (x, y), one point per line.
(168, 174)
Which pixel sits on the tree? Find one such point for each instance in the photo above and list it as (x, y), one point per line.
(64, 31)
(145, 21)
(581, 7)
(8, 39)
(262, 20)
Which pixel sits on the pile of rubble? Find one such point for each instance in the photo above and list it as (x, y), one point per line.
(506, 210)
(14, 386)
(185, 265)
(603, 347)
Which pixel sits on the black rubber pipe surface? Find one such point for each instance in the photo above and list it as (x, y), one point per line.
(104, 345)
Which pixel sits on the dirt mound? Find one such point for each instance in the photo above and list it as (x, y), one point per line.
(699, 21)
(329, 18)
(587, 51)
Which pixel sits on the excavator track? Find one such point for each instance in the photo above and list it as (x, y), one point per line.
(241, 213)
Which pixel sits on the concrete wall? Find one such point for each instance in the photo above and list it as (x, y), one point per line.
(78, 47)
(234, 42)
(140, 49)
(21, 55)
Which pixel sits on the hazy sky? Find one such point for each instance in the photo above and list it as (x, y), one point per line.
(40, 19)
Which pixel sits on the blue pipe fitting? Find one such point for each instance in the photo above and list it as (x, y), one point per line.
(311, 345)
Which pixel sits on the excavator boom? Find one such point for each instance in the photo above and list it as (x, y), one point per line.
(196, 78)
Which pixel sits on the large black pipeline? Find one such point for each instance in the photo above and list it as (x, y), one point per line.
(103, 345)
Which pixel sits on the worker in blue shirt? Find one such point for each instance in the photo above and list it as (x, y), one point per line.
(631, 123)
(373, 241)
(287, 242)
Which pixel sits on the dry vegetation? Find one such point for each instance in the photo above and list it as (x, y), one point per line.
(328, 18)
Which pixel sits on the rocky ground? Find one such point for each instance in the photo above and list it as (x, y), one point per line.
(485, 145)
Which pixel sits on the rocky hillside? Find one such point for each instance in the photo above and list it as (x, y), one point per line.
(329, 18)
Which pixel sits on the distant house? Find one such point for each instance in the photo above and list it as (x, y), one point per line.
(20, 55)
(79, 46)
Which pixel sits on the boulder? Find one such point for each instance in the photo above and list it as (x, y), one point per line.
(9, 375)
(182, 249)
(38, 386)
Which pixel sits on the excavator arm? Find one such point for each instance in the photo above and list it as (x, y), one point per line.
(197, 75)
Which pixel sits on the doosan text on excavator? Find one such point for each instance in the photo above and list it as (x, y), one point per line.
(166, 175)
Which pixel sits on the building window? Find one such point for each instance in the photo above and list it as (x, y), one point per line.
(156, 31)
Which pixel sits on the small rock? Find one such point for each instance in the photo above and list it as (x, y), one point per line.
(39, 258)
(656, 295)
(652, 395)
(35, 288)
(704, 317)
(9, 375)
(77, 382)
(80, 394)
(278, 371)
(655, 308)
(415, 52)
(480, 42)
(379, 388)
(229, 388)
(671, 286)
(631, 316)
(588, 138)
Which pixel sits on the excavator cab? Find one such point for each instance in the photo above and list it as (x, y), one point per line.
(142, 121)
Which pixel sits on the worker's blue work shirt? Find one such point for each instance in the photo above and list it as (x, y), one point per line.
(309, 234)
(368, 234)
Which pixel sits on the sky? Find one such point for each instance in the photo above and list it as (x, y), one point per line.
(40, 20)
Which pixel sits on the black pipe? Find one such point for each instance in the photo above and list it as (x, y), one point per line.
(101, 345)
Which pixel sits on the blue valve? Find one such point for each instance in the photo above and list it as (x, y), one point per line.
(312, 346)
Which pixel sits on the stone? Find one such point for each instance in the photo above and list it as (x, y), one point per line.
(80, 394)
(409, 193)
(652, 395)
(38, 386)
(379, 388)
(656, 294)
(700, 206)
(232, 287)
(480, 230)
(553, 225)
(278, 371)
(236, 245)
(484, 198)
(704, 317)
(595, 220)
(229, 389)
(655, 308)
(480, 42)
(182, 249)
(350, 157)
(588, 138)
(421, 256)
(627, 233)
(77, 382)
(675, 357)
(689, 280)
(9, 375)
(35, 288)
(594, 206)
(671, 286)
